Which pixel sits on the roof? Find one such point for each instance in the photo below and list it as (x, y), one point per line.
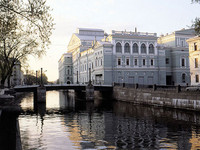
(186, 31)
(89, 29)
(88, 37)
(193, 39)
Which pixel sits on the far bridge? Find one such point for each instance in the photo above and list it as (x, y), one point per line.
(76, 87)
(81, 90)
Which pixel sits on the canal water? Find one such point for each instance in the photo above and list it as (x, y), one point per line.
(64, 123)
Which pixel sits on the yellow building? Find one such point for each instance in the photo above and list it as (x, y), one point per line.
(194, 56)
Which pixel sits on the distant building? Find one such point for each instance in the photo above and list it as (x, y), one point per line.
(130, 57)
(65, 69)
(16, 77)
(194, 53)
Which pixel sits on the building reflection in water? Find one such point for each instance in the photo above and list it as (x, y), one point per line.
(114, 125)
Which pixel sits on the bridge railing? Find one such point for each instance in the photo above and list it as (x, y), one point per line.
(177, 88)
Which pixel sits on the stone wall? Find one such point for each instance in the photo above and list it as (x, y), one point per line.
(171, 98)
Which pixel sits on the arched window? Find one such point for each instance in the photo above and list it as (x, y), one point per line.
(183, 77)
(135, 48)
(143, 49)
(151, 49)
(197, 78)
(118, 48)
(183, 62)
(127, 48)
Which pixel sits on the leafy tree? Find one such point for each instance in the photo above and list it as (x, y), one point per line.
(25, 28)
(196, 23)
(195, 1)
(30, 78)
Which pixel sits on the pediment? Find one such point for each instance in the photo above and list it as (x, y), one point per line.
(74, 41)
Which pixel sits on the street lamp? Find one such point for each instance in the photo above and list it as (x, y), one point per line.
(41, 84)
(36, 77)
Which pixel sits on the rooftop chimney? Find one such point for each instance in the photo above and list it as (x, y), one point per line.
(135, 30)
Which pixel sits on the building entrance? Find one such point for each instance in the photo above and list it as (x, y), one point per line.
(168, 80)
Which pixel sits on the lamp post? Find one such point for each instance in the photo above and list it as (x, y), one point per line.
(41, 83)
(77, 78)
(36, 78)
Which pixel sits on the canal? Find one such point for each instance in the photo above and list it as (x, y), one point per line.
(67, 123)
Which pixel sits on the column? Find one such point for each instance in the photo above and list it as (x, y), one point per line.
(147, 45)
(131, 47)
(122, 47)
(139, 47)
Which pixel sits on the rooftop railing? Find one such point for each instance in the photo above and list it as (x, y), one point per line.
(133, 33)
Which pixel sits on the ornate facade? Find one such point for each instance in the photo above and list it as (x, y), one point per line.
(130, 57)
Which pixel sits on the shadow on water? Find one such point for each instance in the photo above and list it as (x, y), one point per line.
(8, 131)
(107, 124)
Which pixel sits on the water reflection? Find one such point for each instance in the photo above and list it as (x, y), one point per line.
(65, 122)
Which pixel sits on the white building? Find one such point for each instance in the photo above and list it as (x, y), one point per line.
(130, 57)
(65, 68)
(176, 51)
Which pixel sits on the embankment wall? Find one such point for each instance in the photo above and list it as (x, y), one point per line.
(166, 98)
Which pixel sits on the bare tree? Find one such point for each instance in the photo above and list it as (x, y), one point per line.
(25, 29)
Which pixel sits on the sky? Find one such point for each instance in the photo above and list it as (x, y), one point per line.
(154, 16)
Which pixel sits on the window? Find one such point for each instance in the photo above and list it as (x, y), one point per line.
(167, 61)
(127, 48)
(127, 61)
(135, 48)
(119, 61)
(182, 43)
(196, 62)
(118, 48)
(183, 78)
(143, 62)
(152, 62)
(143, 48)
(197, 78)
(68, 71)
(151, 49)
(195, 46)
(183, 62)
(135, 62)
(101, 62)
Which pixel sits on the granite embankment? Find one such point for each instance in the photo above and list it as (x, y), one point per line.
(172, 98)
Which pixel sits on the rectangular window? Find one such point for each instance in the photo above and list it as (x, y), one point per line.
(143, 62)
(195, 46)
(135, 62)
(127, 61)
(197, 78)
(183, 62)
(167, 61)
(119, 62)
(101, 62)
(196, 63)
(152, 63)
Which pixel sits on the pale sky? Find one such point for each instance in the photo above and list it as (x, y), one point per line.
(155, 16)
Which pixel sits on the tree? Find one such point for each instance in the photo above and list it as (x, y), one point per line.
(196, 23)
(25, 28)
(195, 1)
(30, 78)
